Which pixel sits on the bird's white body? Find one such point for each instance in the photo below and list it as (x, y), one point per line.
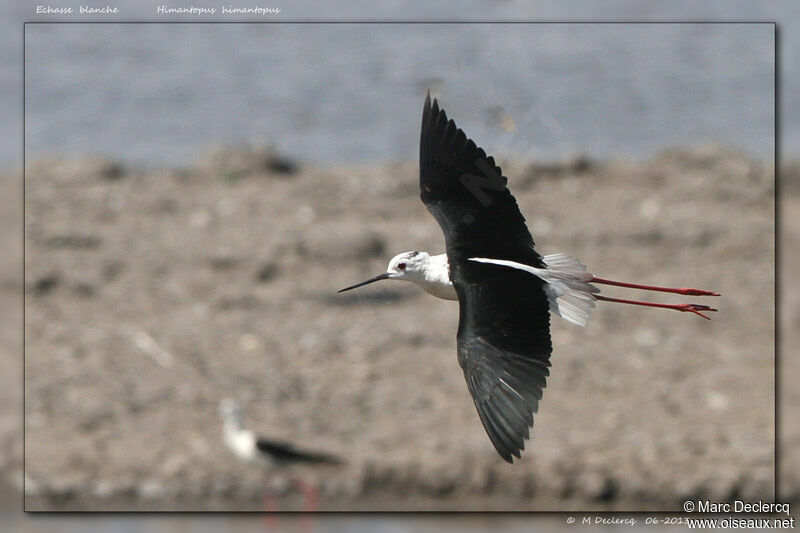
(569, 293)
(241, 441)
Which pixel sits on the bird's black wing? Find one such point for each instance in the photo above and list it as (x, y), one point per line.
(504, 326)
(504, 349)
(284, 452)
(465, 190)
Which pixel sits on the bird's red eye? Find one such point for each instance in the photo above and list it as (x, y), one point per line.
(401, 266)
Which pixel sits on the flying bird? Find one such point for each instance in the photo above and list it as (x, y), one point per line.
(505, 289)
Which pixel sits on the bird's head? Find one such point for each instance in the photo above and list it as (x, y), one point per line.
(408, 266)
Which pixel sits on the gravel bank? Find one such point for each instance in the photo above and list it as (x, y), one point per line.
(152, 295)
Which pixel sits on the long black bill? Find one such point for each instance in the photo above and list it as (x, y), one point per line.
(385, 275)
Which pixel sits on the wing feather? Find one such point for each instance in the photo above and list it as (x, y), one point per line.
(504, 325)
(447, 155)
(506, 395)
(287, 453)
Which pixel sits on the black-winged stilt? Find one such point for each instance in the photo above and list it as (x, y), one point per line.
(504, 287)
(251, 448)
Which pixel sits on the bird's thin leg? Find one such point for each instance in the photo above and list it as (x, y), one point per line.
(309, 505)
(685, 291)
(692, 308)
(310, 495)
(270, 519)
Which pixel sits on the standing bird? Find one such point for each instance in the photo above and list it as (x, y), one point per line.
(249, 447)
(503, 286)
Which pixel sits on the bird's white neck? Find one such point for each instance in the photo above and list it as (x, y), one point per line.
(435, 278)
(232, 424)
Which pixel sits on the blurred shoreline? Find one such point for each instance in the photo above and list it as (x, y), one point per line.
(223, 265)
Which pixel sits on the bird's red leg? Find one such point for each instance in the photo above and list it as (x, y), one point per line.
(310, 494)
(270, 519)
(692, 308)
(685, 291)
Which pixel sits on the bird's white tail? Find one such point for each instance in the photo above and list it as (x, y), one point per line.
(569, 293)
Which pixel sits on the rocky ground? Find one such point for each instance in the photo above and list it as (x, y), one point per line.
(151, 295)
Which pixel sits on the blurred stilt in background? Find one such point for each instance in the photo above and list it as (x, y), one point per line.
(271, 454)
